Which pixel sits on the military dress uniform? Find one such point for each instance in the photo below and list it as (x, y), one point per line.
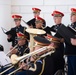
(38, 70)
(32, 21)
(15, 30)
(49, 60)
(20, 29)
(71, 50)
(21, 50)
(46, 29)
(53, 62)
(59, 53)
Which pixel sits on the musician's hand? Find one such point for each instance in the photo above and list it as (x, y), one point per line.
(61, 40)
(32, 58)
(24, 66)
(46, 37)
(73, 41)
(20, 65)
(52, 44)
(14, 51)
(11, 47)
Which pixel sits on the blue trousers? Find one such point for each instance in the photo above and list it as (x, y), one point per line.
(71, 65)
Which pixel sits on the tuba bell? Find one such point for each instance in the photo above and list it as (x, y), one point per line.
(34, 32)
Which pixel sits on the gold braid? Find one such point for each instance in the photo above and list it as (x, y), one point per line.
(43, 65)
(26, 50)
(24, 30)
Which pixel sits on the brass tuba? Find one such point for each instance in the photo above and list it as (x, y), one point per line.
(34, 32)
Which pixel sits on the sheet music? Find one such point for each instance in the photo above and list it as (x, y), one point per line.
(4, 30)
(53, 33)
(4, 60)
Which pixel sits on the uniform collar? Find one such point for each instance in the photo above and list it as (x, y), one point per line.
(59, 24)
(74, 23)
(23, 46)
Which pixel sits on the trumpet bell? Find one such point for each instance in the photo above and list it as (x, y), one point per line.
(13, 58)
